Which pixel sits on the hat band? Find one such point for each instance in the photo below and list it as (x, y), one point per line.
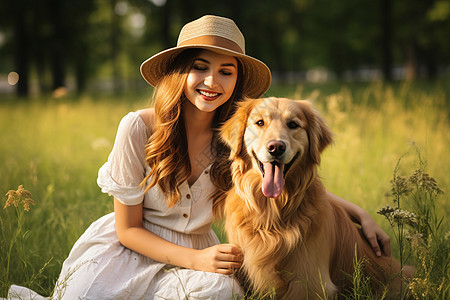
(212, 40)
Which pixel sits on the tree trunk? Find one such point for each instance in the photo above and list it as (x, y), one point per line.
(386, 42)
(187, 10)
(57, 45)
(80, 73)
(21, 52)
(165, 26)
(431, 64)
(115, 31)
(411, 65)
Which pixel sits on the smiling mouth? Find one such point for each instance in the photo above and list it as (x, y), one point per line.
(275, 162)
(208, 94)
(273, 174)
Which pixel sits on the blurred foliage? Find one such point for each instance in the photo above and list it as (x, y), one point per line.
(55, 42)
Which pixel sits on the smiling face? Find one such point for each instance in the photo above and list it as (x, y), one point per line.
(276, 137)
(276, 130)
(211, 81)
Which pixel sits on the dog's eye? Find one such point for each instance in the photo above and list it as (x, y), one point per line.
(260, 123)
(293, 125)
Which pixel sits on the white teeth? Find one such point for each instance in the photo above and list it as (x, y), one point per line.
(208, 94)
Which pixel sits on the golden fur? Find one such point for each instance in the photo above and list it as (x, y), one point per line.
(299, 244)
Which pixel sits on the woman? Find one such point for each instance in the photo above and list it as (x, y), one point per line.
(168, 173)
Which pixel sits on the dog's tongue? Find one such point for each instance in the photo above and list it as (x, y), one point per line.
(273, 181)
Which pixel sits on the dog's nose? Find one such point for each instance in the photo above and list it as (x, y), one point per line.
(276, 147)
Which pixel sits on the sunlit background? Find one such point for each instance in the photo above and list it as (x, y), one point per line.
(87, 45)
(378, 70)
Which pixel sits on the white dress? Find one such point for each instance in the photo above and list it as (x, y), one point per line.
(99, 267)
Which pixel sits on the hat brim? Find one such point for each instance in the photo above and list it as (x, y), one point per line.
(256, 75)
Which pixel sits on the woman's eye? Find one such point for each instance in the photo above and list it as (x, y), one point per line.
(260, 123)
(293, 125)
(226, 73)
(199, 68)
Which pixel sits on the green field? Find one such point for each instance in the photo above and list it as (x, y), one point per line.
(54, 148)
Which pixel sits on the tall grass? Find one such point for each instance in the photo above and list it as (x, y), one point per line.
(54, 148)
(374, 126)
(420, 230)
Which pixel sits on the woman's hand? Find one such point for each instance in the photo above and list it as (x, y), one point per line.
(222, 258)
(378, 239)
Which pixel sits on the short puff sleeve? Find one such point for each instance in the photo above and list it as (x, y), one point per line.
(125, 169)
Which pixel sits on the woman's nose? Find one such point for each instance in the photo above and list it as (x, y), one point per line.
(210, 81)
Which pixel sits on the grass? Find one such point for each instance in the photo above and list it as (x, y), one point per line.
(54, 148)
(420, 231)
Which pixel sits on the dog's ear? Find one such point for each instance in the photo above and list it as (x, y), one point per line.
(319, 135)
(232, 131)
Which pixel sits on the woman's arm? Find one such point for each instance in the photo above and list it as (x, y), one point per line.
(222, 258)
(378, 239)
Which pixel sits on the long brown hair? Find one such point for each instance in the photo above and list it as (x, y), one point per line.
(167, 149)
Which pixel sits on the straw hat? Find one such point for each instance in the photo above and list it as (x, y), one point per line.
(217, 34)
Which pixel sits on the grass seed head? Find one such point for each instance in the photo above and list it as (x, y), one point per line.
(425, 182)
(401, 216)
(20, 196)
(386, 210)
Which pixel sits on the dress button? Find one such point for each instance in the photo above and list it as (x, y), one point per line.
(188, 196)
(185, 215)
(206, 172)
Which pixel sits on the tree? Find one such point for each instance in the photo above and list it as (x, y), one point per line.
(386, 40)
(57, 42)
(21, 43)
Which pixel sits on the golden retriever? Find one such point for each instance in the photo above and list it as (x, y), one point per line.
(296, 241)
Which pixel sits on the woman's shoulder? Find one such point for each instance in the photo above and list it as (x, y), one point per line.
(148, 116)
(137, 123)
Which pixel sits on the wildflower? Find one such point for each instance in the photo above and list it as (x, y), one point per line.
(398, 215)
(21, 196)
(425, 182)
(385, 210)
(401, 216)
(13, 199)
(420, 288)
(26, 203)
(23, 193)
(400, 186)
(415, 238)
